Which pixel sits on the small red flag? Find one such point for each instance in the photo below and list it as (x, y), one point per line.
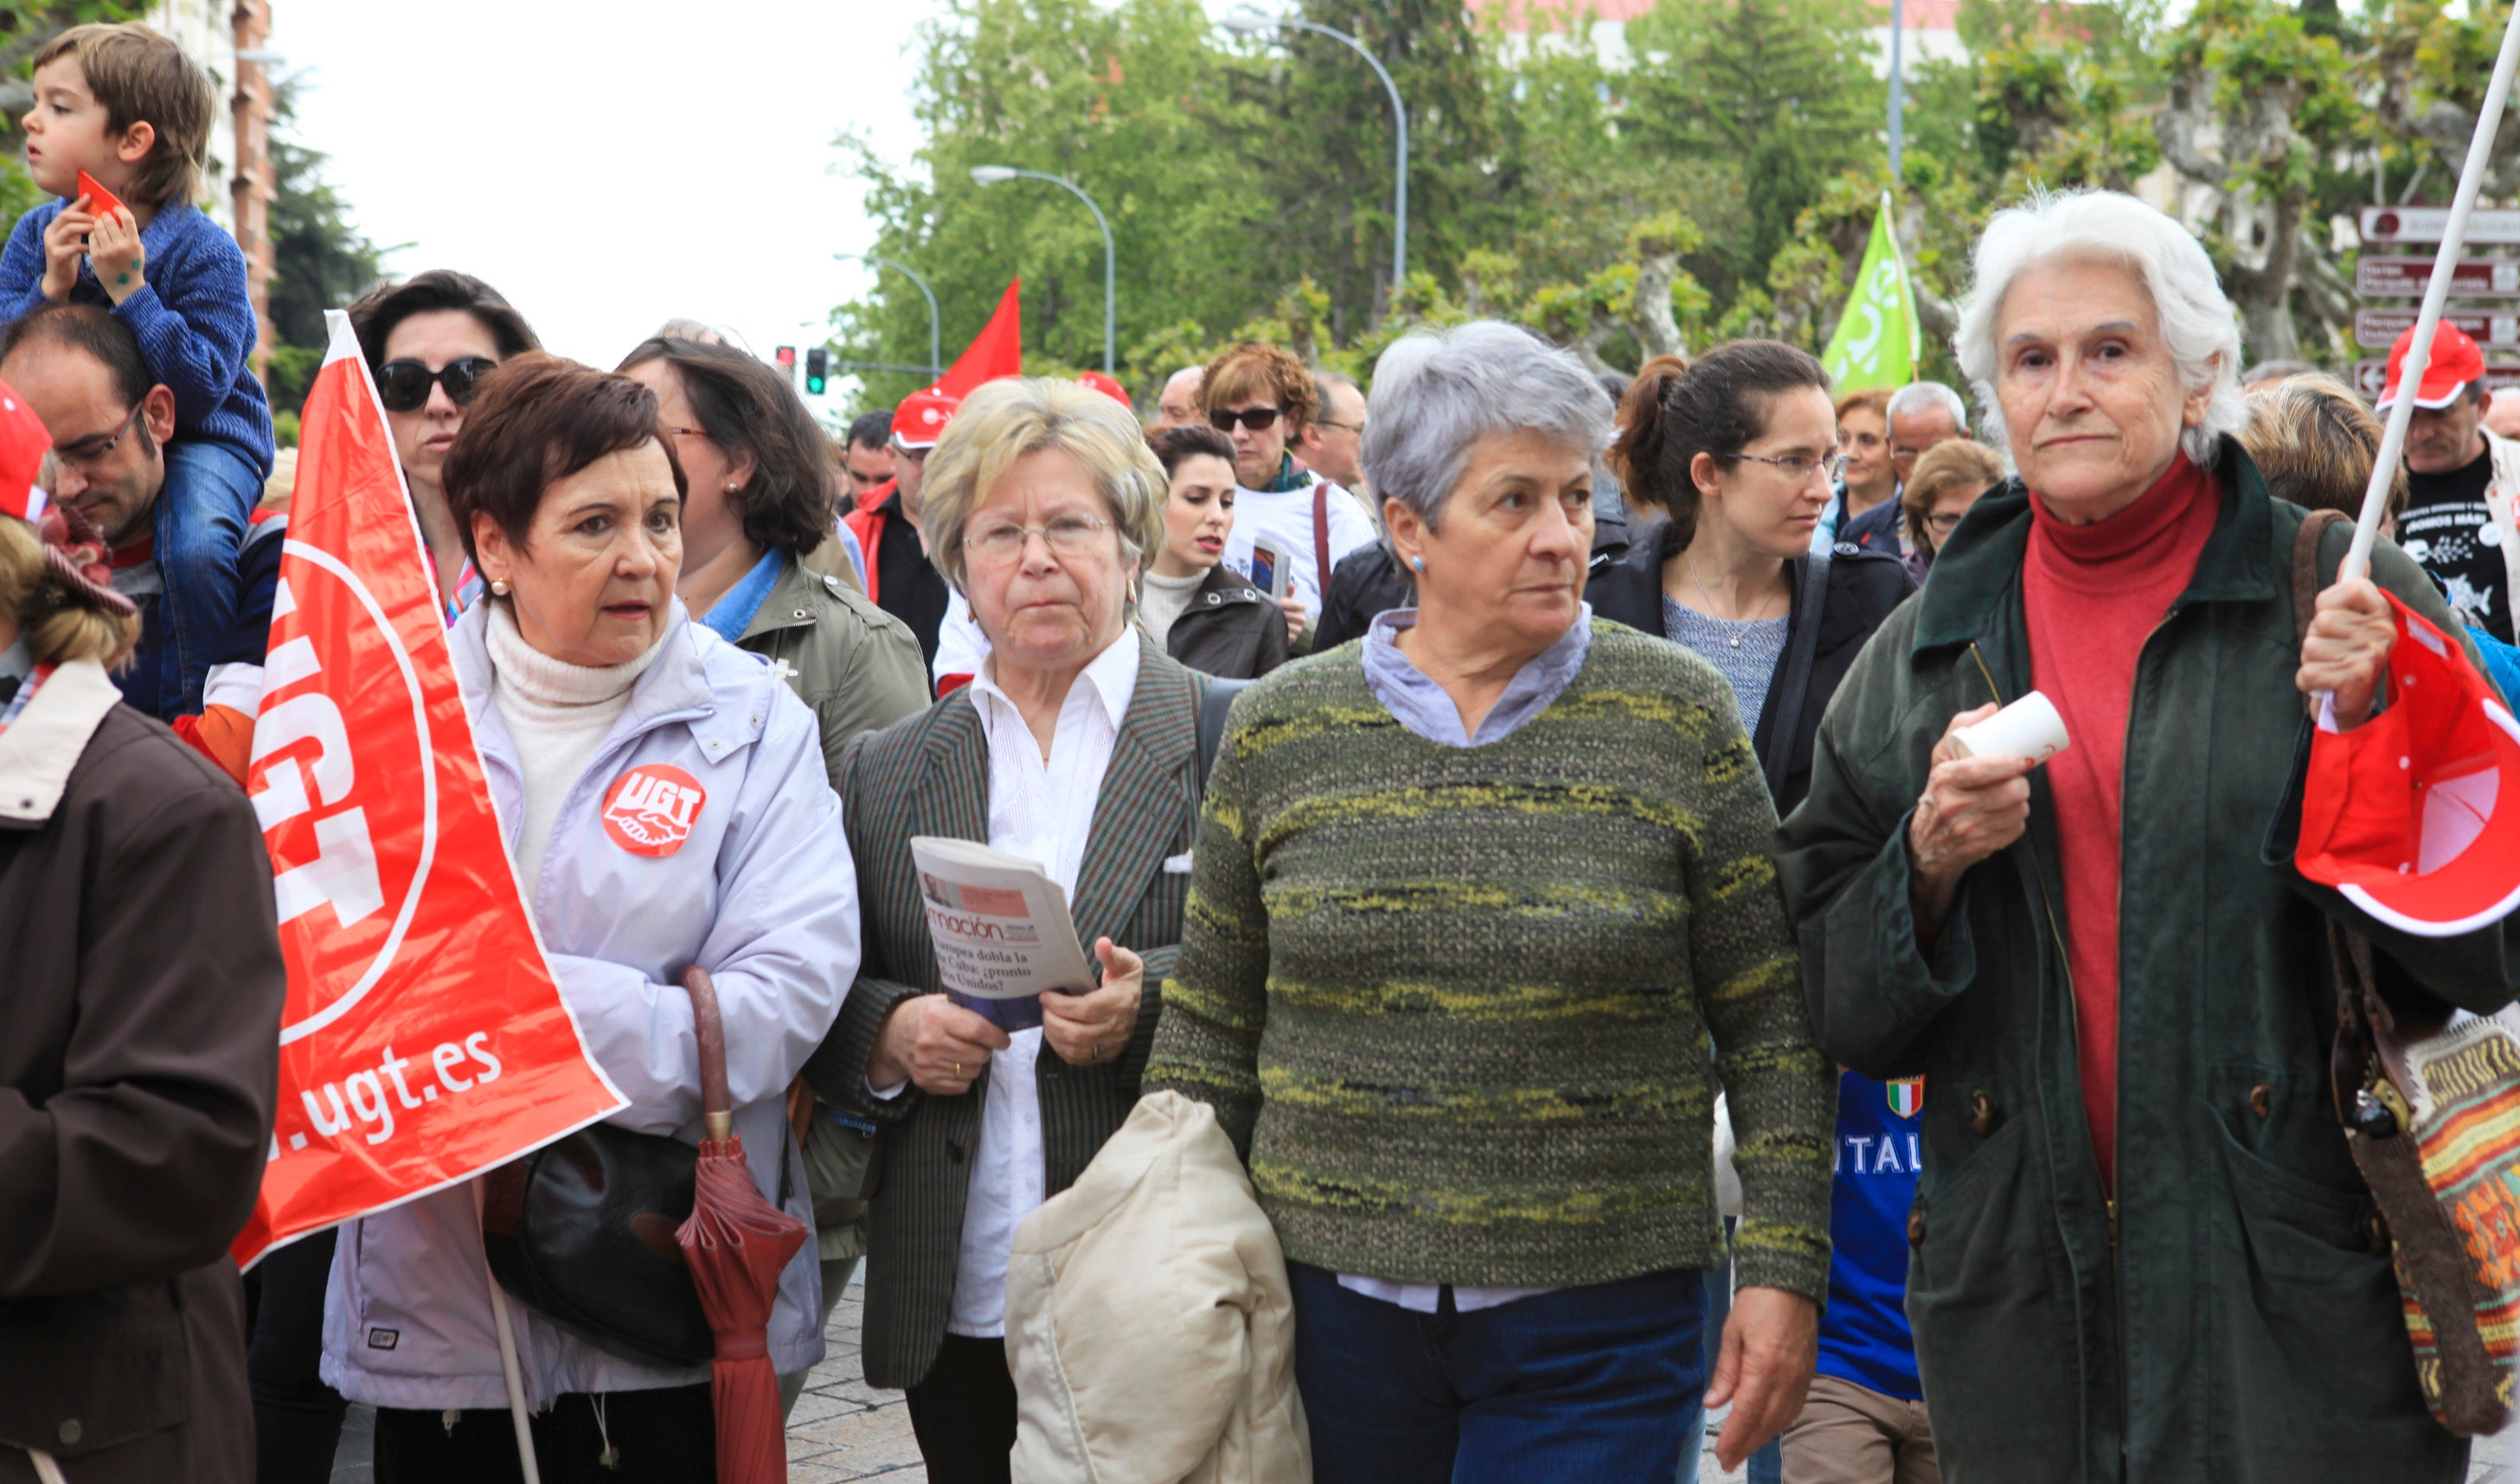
(996, 351)
(100, 201)
(2414, 815)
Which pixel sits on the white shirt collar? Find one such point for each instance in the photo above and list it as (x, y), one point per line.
(1112, 676)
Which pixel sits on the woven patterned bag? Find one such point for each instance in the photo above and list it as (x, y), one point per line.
(2430, 1100)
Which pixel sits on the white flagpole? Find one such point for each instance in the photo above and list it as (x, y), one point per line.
(509, 1367)
(2419, 350)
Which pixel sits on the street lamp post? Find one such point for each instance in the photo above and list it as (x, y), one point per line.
(936, 331)
(990, 175)
(1243, 21)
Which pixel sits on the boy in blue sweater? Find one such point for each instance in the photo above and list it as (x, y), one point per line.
(126, 105)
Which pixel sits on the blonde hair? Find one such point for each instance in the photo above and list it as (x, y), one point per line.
(1953, 460)
(58, 623)
(141, 77)
(2313, 440)
(1006, 420)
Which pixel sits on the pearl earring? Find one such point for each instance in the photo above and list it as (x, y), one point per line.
(499, 588)
(729, 486)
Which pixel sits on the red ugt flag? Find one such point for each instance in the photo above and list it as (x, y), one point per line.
(425, 1040)
(996, 351)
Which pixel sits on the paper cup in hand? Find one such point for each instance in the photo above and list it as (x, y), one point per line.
(2028, 728)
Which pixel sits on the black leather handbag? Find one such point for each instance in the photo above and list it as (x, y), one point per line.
(582, 1232)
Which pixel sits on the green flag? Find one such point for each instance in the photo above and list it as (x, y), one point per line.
(1875, 344)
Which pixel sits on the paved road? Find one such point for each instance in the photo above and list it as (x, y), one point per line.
(844, 1429)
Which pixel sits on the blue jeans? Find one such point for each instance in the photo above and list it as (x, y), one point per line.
(1768, 1464)
(210, 489)
(1595, 1383)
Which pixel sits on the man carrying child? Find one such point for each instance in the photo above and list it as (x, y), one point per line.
(121, 131)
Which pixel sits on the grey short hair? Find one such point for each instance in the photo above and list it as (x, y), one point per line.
(2197, 324)
(1927, 396)
(1437, 393)
(1326, 382)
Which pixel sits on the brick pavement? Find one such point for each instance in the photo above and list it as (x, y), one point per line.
(844, 1429)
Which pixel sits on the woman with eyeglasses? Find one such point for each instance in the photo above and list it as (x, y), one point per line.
(1947, 481)
(1740, 452)
(427, 339)
(1261, 397)
(1075, 745)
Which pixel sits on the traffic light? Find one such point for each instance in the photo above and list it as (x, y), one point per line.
(788, 361)
(818, 369)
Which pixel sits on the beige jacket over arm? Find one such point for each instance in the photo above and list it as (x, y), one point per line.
(1148, 1322)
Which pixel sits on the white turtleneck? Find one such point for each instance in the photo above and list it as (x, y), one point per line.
(558, 714)
(1162, 600)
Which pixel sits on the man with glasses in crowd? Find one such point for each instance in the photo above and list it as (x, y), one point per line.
(1263, 398)
(81, 370)
(1329, 443)
(1920, 415)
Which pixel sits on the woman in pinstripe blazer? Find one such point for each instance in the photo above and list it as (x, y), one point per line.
(1076, 746)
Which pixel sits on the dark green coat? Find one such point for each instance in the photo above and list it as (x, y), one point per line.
(2227, 1321)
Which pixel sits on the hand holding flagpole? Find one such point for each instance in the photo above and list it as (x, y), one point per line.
(2419, 350)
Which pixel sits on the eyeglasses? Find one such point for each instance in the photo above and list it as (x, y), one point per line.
(1253, 418)
(403, 385)
(1064, 535)
(917, 456)
(1943, 522)
(87, 453)
(1357, 429)
(1799, 466)
(670, 430)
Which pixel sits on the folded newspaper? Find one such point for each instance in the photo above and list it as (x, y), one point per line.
(1001, 928)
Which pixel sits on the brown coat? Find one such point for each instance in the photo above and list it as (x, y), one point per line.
(139, 1060)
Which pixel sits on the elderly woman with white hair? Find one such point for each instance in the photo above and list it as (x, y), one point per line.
(2140, 1249)
(1075, 746)
(1469, 896)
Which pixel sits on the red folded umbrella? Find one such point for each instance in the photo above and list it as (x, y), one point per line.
(736, 1244)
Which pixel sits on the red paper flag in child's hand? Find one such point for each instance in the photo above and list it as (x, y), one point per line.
(100, 201)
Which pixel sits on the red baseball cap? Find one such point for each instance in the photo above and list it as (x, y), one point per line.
(2454, 364)
(2414, 815)
(1107, 387)
(922, 417)
(23, 443)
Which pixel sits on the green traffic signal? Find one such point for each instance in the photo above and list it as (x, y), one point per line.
(817, 367)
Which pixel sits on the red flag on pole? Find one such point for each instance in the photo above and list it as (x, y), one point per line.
(996, 351)
(425, 1040)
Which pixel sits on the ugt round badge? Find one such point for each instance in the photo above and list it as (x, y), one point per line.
(650, 809)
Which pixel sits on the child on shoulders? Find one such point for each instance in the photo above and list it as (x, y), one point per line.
(125, 106)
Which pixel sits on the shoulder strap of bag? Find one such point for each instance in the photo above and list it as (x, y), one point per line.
(1793, 676)
(1213, 703)
(1322, 543)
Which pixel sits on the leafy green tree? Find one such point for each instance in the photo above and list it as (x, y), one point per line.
(1782, 90)
(320, 260)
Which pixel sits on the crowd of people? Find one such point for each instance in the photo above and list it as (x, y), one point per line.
(1513, 816)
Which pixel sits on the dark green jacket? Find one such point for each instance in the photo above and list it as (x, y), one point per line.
(2227, 1320)
(855, 665)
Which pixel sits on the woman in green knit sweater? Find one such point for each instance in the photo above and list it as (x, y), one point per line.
(1470, 897)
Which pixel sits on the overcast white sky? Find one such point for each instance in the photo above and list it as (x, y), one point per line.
(608, 166)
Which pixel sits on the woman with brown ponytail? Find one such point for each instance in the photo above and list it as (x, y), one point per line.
(139, 1036)
(1740, 452)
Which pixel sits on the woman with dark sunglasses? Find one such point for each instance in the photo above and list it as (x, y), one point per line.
(427, 340)
(1261, 397)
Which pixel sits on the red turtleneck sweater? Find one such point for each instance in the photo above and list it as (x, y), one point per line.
(2092, 595)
